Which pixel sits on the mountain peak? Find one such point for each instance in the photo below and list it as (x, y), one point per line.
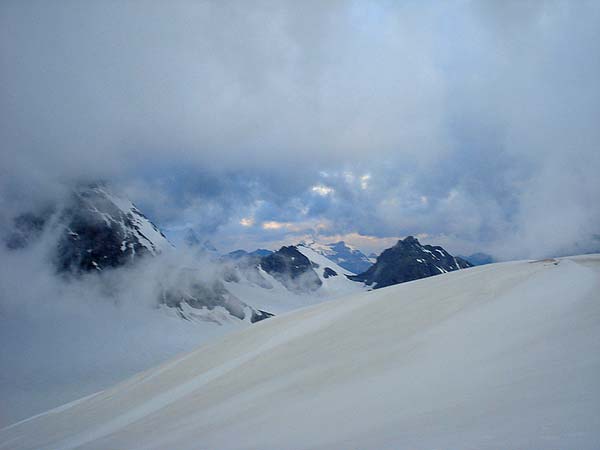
(292, 269)
(408, 260)
(410, 240)
(98, 229)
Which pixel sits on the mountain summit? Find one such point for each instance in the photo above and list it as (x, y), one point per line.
(94, 230)
(408, 260)
(291, 268)
(104, 230)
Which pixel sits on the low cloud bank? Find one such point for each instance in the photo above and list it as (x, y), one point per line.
(474, 123)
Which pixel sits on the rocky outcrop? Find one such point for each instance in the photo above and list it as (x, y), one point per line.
(408, 260)
(292, 269)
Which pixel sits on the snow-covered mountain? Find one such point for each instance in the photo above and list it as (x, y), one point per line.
(292, 269)
(102, 230)
(116, 292)
(289, 278)
(308, 267)
(499, 356)
(408, 260)
(342, 254)
(96, 229)
(237, 254)
(92, 292)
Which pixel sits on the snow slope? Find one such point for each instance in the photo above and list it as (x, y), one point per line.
(54, 354)
(333, 286)
(277, 299)
(343, 254)
(322, 261)
(499, 356)
(140, 226)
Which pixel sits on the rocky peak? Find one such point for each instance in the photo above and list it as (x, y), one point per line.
(102, 230)
(409, 260)
(292, 269)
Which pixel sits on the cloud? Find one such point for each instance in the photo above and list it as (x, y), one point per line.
(273, 225)
(246, 221)
(322, 190)
(475, 123)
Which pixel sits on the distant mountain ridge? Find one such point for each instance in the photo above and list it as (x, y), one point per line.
(342, 254)
(408, 260)
(296, 268)
(293, 275)
(260, 252)
(98, 230)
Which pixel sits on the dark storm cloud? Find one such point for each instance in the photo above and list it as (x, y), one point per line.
(473, 122)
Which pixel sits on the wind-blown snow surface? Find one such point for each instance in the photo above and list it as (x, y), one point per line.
(499, 356)
(52, 355)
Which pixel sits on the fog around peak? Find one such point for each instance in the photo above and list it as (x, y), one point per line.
(473, 124)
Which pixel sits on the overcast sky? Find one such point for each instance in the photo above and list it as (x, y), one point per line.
(474, 125)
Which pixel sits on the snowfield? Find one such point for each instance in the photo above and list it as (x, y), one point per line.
(53, 354)
(493, 357)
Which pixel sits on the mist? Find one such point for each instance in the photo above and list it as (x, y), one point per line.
(473, 123)
(470, 125)
(70, 335)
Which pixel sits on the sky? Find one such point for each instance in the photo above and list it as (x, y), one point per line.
(473, 125)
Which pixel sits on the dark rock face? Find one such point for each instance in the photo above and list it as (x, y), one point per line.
(292, 269)
(102, 231)
(409, 260)
(95, 230)
(258, 315)
(329, 272)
